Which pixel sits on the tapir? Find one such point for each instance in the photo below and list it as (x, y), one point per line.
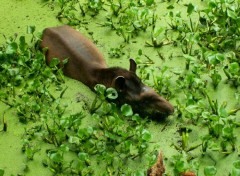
(87, 64)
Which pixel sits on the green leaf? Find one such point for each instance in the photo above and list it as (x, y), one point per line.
(56, 157)
(149, 2)
(231, 14)
(65, 61)
(179, 166)
(136, 118)
(22, 44)
(194, 109)
(106, 107)
(1, 172)
(83, 156)
(234, 68)
(210, 171)
(217, 129)
(100, 89)
(190, 8)
(54, 62)
(126, 110)
(170, 7)
(13, 71)
(74, 140)
(236, 164)
(139, 52)
(236, 168)
(206, 115)
(227, 132)
(146, 135)
(11, 48)
(30, 29)
(111, 93)
(212, 4)
(158, 32)
(64, 148)
(216, 78)
(220, 57)
(222, 111)
(189, 58)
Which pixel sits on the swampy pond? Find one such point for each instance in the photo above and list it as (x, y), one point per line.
(188, 51)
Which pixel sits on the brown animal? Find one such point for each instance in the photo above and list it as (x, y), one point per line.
(86, 64)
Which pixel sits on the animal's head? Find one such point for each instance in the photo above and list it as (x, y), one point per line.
(142, 98)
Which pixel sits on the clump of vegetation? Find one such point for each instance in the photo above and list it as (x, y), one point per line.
(116, 136)
(127, 18)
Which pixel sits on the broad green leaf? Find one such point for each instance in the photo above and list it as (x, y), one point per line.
(223, 112)
(227, 132)
(100, 89)
(214, 117)
(231, 14)
(56, 157)
(206, 115)
(146, 135)
(22, 44)
(188, 57)
(210, 171)
(111, 93)
(139, 52)
(158, 32)
(11, 48)
(65, 61)
(30, 29)
(106, 107)
(216, 78)
(136, 118)
(170, 7)
(236, 164)
(126, 110)
(190, 8)
(1, 172)
(149, 2)
(212, 4)
(234, 68)
(179, 166)
(54, 62)
(217, 129)
(64, 148)
(13, 71)
(236, 168)
(194, 109)
(89, 130)
(127, 145)
(213, 60)
(74, 140)
(83, 156)
(220, 57)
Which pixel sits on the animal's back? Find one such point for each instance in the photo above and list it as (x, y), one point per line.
(65, 42)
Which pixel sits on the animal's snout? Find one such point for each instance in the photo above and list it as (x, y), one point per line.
(162, 105)
(155, 103)
(170, 109)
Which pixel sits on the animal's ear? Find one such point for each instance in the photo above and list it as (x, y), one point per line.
(133, 66)
(119, 83)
